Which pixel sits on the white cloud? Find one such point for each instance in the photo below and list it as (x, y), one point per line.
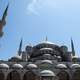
(41, 5)
(31, 8)
(36, 5)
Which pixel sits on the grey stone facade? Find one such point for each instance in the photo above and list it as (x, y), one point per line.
(44, 61)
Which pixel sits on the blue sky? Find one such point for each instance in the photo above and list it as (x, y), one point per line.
(33, 20)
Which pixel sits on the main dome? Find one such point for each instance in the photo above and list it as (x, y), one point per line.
(44, 46)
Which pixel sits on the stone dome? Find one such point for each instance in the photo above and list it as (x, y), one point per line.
(32, 66)
(61, 66)
(28, 48)
(64, 48)
(47, 73)
(4, 66)
(17, 57)
(74, 66)
(19, 66)
(47, 61)
(46, 44)
(46, 49)
(47, 54)
(75, 57)
(59, 57)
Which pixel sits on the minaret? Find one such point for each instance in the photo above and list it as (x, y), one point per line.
(72, 46)
(3, 20)
(5, 14)
(46, 39)
(20, 47)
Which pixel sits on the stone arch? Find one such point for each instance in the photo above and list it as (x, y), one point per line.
(30, 76)
(63, 75)
(13, 75)
(76, 75)
(2, 76)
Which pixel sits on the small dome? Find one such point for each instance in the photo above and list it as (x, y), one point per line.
(17, 66)
(61, 66)
(59, 57)
(47, 73)
(47, 61)
(64, 48)
(28, 48)
(75, 66)
(3, 65)
(32, 66)
(75, 57)
(17, 57)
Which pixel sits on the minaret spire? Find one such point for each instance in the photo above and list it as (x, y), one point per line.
(5, 14)
(20, 47)
(72, 46)
(46, 39)
(3, 21)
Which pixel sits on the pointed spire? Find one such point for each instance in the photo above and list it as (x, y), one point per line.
(46, 39)
(5, 14)
(20, 47)
(72, 46)
(3, 21)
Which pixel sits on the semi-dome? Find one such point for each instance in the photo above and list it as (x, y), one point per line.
(19, 66)
(47, 73)
(74, 66)
(3, 65)
(61, 66)
(47, 56)
(32, 66)
(47, 61)
(46, 49)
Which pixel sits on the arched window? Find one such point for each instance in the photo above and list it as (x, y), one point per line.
(63, 75)
(14, 75)
(76, 75)
(30, 76)
(2, 75)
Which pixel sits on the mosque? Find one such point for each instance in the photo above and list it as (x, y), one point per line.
(43, 61)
